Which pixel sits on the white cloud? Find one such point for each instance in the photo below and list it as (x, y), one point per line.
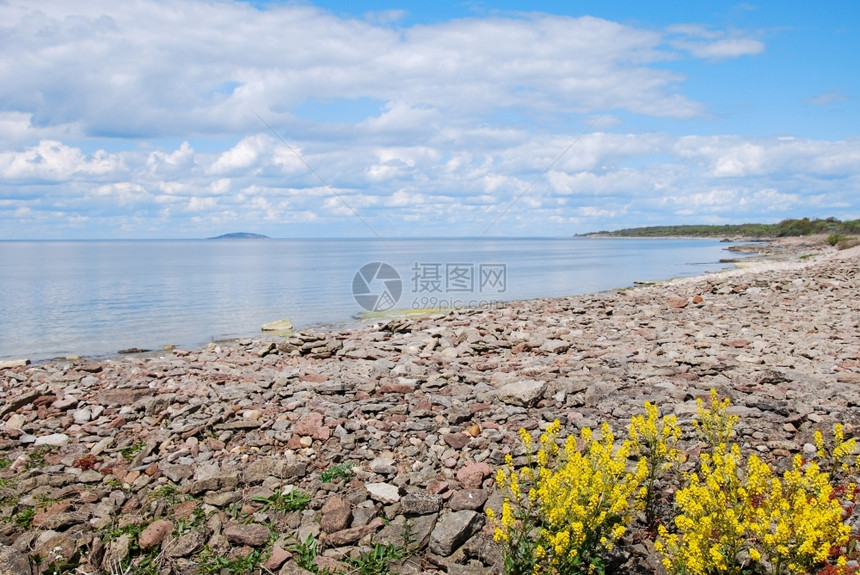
(828, 97)
(246, 154)
(611, 177)
(702, 42)
(145, 117)
(196, 204)
(170, 162)
(159, 69)
(53, 160)
(121, 193)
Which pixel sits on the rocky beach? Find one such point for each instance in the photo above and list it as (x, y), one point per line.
(264, 455)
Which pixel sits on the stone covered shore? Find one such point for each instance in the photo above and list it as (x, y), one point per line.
(173, 464)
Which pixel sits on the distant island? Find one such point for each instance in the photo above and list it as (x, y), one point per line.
(785, 228)
(240, 236)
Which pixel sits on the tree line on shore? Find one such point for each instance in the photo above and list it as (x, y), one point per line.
(785, 228)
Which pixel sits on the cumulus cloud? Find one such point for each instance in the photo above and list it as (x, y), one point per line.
(155, 69)
(616, 176)
(156, 118)
(53, 161)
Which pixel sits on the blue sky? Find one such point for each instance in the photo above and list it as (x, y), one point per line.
(189, 119)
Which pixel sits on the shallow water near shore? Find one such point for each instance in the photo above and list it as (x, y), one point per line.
(94, 298)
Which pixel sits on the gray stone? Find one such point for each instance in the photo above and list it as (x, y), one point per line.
(15, 422)
(252, 534)
(64, 520)
(54, 439)
(281, 325)
(116, 551)
(383, 492)
(176, 473)
(453, 530)
(265, 467)
(384, 465)
(13, 562)
(185, 545)
(409, 532)
(291, 568)
(524, 393)
(82, 415)
(555, 346)
(420, 504)
(20, 401)
(472, 499)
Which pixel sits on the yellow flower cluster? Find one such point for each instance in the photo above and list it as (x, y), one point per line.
(797, 521)
(733, 514)
(655, 437)
(587, 501)
(655, 440)
(715, 425)
(579, 501)
(841, 456)
(710, 528)
(573, 500)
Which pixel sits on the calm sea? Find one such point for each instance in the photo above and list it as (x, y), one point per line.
(94, 298)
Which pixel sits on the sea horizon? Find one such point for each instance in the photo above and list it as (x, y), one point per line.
(94, 298)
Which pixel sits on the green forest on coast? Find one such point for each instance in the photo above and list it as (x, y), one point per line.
(785, 228)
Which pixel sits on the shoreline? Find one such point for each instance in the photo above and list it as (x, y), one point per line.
(174, 451)
(356, 321)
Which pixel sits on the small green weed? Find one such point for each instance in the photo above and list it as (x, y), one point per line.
(129, 452)
(375, 561)
(43, 501)
(187, 523)
(208, 563)
(24, 518)
(305, 552)
(168, 492)
(834, 239)
(37, 456)
(55, 563)
(294, 500)
(338, 471)
(138, 561)
(113, 483)
(133, 530)
(5, 462)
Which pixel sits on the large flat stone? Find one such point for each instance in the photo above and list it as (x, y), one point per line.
(453, 530)
(524, 393)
